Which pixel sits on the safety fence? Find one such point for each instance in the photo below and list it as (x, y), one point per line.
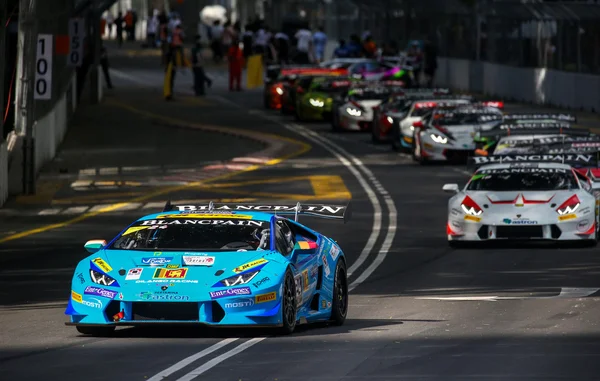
(541, 86)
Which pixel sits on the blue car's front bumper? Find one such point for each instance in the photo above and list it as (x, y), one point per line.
(226, 311)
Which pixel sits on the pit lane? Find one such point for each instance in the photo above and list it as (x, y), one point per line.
(391, 332)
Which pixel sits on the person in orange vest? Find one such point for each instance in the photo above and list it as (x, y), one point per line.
(174, 59)
(235, 56)
(129, 24)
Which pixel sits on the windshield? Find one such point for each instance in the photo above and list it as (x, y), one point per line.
(523, 179)
(194, 232)
(461, 119)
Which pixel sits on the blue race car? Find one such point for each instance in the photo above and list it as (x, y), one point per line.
(221, 265)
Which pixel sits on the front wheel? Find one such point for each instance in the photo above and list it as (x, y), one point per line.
(339, 307)
(95, 331)
(288, 304)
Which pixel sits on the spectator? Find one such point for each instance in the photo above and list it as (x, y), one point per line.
(228, 36)
(303, 46)
(369, 47)
(235, 57)
(200, 77)
(320, 42)
(342, 50)
(261, 40)
(153, 26)
(429, 62)
(105, 66)
(129, 24)
(248, 41)
(282, 42)
(354, 47)
(119, 22)
(216, 45)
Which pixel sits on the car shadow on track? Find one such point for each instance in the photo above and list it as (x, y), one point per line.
(351, 325)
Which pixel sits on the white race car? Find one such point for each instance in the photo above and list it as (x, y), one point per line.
(529, 197)
(413, 112)
(356, 113)
(447, 135)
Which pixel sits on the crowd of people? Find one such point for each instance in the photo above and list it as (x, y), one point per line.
(294, 44)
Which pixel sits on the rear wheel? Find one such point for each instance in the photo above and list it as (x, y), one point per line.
(288, 304)
(339, 307)
(95, 331)
(335, 126)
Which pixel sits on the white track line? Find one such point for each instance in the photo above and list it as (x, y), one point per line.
(351, 162)
(188, 360)
(219, 359)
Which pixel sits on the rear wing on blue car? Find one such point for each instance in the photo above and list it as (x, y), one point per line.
(339, 212)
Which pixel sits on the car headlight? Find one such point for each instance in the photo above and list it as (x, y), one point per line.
(100, 278)
(439, 138)
(316, 102)
(237, 279)
(353, 111)
(279, 90)
(390, 120)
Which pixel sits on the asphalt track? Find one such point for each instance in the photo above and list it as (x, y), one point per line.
(519, 313)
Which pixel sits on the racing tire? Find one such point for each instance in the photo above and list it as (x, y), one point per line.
(374, 138)
(395, 137)
(266, 102)
(289, 310)
(95, 331)
(339, 305)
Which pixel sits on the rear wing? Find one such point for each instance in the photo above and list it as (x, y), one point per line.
(542, 116)
(573, 159)
(549, 130)
(338, 212)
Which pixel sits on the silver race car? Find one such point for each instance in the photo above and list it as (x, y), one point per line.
(447, 135)
(526, 197)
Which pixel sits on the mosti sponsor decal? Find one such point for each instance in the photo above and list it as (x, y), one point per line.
(92, 290)
(230, 292)
(170, 274)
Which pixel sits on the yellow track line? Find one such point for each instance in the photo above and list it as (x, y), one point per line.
(304, 147)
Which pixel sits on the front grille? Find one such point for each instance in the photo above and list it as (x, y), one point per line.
(365, 125)
(457, 155)
(519, 232)
(165, 311)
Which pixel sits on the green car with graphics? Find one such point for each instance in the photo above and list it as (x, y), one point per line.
(317, 101)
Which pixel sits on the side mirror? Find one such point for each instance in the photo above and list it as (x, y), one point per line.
(418, 124)
(95, 245)
(595, 186)
(451, 188)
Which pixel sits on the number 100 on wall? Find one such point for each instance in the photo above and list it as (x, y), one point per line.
(43, 67)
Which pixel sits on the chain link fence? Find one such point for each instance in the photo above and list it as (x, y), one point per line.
(559, 35)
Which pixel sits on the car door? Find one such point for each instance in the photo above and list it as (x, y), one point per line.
(306, 265)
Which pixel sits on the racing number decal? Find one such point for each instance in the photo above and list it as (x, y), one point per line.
(298, 280)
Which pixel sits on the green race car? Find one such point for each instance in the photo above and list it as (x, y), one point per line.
(316, 102)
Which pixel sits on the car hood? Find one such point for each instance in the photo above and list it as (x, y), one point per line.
(194, 268)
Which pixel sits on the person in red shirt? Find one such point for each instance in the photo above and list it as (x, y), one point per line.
(235, 56)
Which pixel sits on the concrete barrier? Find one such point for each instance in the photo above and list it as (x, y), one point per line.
(529, 85)
(48, 132)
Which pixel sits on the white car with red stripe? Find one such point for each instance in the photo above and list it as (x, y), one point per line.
(538, 200)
